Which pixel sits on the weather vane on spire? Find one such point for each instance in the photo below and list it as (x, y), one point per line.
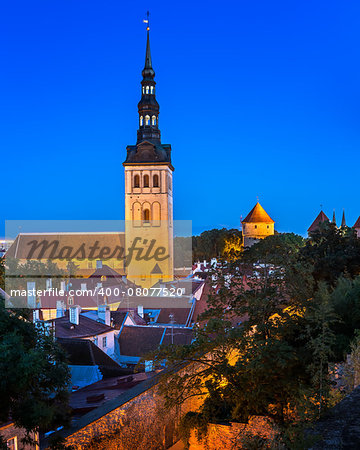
(147, 21)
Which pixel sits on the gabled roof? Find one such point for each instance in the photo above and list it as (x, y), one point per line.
(357, 223)
(86, 328)
(45, 243)
(322, 217)
(83, 352)
(258, 215)
(181, 316)
(138, 341)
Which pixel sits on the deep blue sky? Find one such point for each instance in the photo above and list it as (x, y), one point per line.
(257, 99)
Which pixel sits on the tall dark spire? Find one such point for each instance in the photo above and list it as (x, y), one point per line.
(148, 148)
(148, 71)
(334, 218)
(148, 106)
(343, 221)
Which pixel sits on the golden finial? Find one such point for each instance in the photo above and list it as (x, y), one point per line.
(147, 21)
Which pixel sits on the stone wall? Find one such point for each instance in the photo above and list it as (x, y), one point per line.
(233, 435)
(135, 419)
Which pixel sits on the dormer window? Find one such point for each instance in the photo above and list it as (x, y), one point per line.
(147, 89)
(141, 121)
(147, 120)
(153, 120)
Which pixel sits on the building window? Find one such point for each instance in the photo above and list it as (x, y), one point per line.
(146, 215)
(141, 121)
(151, 89)
(70, 300)
(143, 90)
(255, 226)
(12, 443)
(156, 181)
(147, 89)
(136, 181)
(96, 340)
(147, 120)
(267, 226)
(146, 180)
(153, 120)
(104, 342)
(90, 266)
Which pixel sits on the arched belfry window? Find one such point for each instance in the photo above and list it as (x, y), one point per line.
(143, 89)
(147, 89)
(147, 120)
(151, 89)
(153, 120)
(146, 215)
(136, 181)
(156, 181)
(146, 180)
(141, 121)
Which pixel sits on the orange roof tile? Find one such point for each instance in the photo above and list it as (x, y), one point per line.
(258, 215)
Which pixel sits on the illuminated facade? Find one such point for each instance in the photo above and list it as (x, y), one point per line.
(148, 190)
(256, 225)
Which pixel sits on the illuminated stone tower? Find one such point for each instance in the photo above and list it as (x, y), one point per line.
(256, 225)
(148, 190)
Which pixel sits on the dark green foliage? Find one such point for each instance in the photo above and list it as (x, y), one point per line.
(34, 374)
(293, 322)
(332, 252)
(213, 243)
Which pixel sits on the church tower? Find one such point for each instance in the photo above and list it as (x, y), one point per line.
(148, 191)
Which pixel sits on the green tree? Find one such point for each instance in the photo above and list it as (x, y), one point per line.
(34, 374)
(332, 252)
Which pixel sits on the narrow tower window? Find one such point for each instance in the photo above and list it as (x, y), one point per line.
(146, 180)
(143, 90)
(153, 120)
(151, 89)
(136, 181)
(146, 215)
(141, 121)
(147, 89)
(147, 120)
(156, 181)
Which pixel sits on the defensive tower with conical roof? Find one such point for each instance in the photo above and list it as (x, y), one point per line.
(148, 188)
(256, 225)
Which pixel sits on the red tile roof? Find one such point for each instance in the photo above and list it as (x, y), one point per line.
(322, 217)
(357, 223)
(258, 215)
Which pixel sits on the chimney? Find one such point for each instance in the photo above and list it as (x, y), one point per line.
(74, 314)
(104, 314)
(140, 310)
(60, 309)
